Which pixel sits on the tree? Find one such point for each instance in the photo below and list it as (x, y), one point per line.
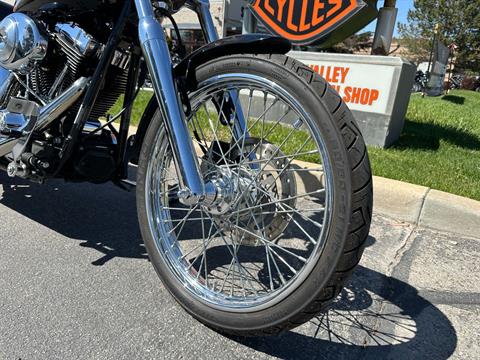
(457, 21)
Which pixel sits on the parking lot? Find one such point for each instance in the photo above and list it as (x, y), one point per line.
(76, 283)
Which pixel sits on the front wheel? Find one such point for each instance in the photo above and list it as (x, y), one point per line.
(297, 205)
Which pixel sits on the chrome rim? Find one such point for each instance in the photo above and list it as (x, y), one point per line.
(256, 248)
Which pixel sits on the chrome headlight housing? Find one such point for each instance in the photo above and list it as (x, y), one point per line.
(21, 43)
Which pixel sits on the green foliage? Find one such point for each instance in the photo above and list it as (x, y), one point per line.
(458, 21)
(439, 147)
(141, 103)
(354, 43)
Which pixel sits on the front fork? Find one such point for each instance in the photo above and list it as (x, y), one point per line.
(157, 56)
(159, 63)
(202, 8)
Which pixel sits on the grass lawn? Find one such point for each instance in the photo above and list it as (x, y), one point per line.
(439, 148)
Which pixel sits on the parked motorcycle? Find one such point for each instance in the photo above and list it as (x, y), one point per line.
(456, 81)
(477, 84)
(254, 187)
(420, 82)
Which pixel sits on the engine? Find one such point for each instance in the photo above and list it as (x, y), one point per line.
(75, 54)
(48, 63)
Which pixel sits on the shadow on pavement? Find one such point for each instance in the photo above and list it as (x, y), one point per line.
(376, 317)
(102, 217)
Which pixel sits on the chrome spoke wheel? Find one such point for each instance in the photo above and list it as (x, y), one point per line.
(263, 237)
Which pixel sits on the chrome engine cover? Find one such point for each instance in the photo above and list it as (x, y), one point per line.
(21, 43)
(75, 37)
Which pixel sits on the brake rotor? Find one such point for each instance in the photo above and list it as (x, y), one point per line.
(275, 182)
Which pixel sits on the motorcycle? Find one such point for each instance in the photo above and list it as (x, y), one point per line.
(420, 82)
(253, 184)
(476, 86)
(456, 82)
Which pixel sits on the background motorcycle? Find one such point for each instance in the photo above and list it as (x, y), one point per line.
(238, 238)
(421, 81)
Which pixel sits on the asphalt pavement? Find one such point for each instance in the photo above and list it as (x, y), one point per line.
(75, 283)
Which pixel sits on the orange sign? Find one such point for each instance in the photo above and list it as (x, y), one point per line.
(305, 21)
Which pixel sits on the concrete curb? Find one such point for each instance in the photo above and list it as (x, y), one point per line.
(414, 204)
(419, 205)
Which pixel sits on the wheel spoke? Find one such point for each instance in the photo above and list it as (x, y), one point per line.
(262, 233)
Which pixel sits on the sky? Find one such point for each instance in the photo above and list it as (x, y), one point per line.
(403, 7)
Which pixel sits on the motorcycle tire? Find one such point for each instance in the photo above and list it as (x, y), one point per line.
(350, 216)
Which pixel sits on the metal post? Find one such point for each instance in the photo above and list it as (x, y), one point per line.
(432, 51)
(249, 21)
(387, 18)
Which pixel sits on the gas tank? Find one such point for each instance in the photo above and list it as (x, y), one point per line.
(72, 5)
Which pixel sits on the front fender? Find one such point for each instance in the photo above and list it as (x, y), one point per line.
(232, 45)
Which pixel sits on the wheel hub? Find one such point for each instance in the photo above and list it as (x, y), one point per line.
(232, 187)
(245, 205)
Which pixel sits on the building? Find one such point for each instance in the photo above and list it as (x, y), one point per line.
(227, 24)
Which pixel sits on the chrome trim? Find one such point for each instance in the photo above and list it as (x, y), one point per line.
(157, 57)
(77, 38)
(202, 8)
(21, 43)
(47, 115)
(7, 80)
(11, 121)
(57, 107)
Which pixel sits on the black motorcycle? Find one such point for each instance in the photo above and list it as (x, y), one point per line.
(420, 82)
(253, 181)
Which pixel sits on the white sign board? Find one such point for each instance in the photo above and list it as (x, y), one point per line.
(364, 87)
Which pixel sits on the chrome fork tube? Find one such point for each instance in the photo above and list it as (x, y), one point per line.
(159, 63)
(202, 8)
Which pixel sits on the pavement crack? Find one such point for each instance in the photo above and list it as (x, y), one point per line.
(422, 206)
(404, 247)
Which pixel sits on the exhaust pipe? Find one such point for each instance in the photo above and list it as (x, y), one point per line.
(60, 104)
(47, 114)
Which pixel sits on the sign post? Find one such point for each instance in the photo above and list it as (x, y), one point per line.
(387, 19)
(435, 85)
(249, 21)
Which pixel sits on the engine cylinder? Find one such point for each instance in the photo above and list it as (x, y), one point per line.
(21, 43)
